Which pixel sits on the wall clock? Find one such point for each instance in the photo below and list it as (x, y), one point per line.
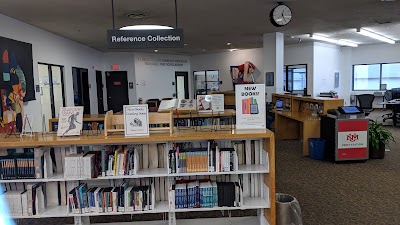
(281, 15)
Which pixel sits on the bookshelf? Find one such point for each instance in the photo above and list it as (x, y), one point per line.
(260, 172)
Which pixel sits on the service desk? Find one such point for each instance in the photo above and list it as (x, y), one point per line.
(297, 125)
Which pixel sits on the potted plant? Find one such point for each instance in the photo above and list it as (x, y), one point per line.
(379, 137)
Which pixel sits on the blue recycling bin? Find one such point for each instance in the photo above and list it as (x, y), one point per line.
(317, 148)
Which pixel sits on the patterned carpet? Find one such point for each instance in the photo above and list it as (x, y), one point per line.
(351, 193)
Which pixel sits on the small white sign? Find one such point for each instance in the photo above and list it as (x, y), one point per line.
(207, 103)
(250, 106)
(352, 139)
(70, 121)
(136, 120)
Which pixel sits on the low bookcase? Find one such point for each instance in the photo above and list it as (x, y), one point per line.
(185, 171)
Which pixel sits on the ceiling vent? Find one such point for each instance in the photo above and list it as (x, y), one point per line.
(137, 15)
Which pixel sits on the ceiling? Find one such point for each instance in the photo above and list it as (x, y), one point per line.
(209, 24)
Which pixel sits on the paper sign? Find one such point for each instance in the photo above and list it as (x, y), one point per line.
(70, 121)
(207, 103)
(136, 120)
(250, 106)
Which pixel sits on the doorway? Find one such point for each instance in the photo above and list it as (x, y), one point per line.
(181, 85)
(99, 83)
(51, 84)
(117, 90)
(81, 88)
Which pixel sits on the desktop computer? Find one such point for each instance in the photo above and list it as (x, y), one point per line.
(395, 93)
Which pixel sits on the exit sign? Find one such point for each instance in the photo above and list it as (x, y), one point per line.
(115, 67)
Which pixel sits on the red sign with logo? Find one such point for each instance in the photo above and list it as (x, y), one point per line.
(352, 139)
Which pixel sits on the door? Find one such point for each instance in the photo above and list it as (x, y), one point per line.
(81, 88)
(51, 91)
(100, 100)
(117, 90)
(182, 85)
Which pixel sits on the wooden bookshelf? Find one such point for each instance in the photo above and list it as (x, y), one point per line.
(265, 169)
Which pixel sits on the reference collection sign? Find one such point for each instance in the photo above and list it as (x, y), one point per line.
(127, 39)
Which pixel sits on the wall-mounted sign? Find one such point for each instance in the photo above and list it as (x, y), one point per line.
(127, 39)
(115, 67)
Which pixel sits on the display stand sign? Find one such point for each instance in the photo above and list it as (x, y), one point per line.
(70, 121)
(250, 106)
(128, 39)
(208, 103)
(179, 104)
(352, 139)
(136, 120)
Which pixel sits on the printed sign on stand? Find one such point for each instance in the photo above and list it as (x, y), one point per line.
(136, 120)
(352, 139)
(250, 106)
(70, 121)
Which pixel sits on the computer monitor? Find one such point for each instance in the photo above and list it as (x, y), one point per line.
(279, 104)
(395, 93)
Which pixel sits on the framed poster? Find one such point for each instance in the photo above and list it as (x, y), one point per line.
(250, 106)
(269, 79)
(70, 121)
(136, 120)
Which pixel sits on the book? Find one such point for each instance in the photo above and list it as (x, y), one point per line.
(178, 104)
(208, 103)
(70, 121)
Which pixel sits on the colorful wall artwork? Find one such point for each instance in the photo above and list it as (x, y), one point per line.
(16, 82)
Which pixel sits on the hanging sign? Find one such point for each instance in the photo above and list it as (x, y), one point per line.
(127, 39)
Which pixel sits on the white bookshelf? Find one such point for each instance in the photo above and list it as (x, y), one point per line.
(263, 169)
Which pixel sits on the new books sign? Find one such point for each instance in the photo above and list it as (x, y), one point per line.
(250, 106)
(127, 39)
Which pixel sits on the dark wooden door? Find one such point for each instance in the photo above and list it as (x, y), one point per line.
(117, 90)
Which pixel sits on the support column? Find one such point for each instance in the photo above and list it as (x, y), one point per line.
(273, 53)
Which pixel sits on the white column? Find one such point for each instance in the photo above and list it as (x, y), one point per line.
(273, 52)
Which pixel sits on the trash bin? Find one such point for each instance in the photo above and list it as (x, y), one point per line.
(317, 148)
(288, 210)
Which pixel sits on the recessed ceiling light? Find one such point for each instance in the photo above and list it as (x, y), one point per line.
(374, 35)
(146, 27)
(203, 49)
(228, 43)
(155, 50)
(233, 49)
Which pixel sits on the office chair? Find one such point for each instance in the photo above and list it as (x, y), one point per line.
(388, 97)
(365, 102)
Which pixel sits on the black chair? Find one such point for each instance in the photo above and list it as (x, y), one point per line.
(365, 103)
(388, 116)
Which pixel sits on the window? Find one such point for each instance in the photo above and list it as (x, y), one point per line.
(371, 77)
(295, 77)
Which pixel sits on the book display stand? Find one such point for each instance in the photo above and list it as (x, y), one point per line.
(28, 132)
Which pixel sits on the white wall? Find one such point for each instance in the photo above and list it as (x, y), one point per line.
(326, 64)
(222, 62)
(53, 49)
(155, 73)
(302, 54)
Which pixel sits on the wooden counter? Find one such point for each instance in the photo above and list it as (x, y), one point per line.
(187, 135)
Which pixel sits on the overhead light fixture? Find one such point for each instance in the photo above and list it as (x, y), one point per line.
(341, 42)
(376, 36)
(233, 49)
(228, 43)
(146, 27)
(155, 50)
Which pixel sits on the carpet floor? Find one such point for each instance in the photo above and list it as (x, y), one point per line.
(350, 193)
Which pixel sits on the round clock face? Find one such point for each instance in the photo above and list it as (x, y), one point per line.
(281, 15)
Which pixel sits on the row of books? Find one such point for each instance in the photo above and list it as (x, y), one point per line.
(183, 158)
(206, 194)
(29, 202)
(30, 164)
(122, 198)
(194, 121)
(114, 161)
